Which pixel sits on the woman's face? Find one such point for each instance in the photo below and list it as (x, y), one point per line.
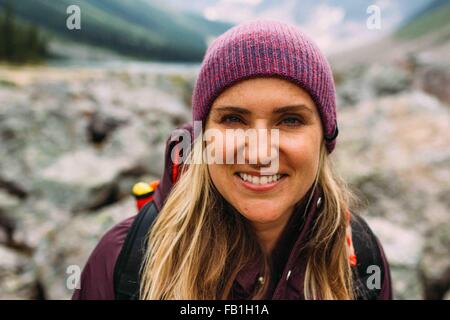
(267, 103)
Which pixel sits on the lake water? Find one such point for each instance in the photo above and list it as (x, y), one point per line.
(131, 66)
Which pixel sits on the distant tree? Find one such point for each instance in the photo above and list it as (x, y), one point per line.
(2, 38)
(7, 31)
(19, 42)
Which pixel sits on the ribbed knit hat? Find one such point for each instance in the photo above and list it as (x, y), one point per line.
(267, 48)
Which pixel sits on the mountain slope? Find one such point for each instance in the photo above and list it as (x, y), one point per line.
(134, 27)
(424, 36)
(433, 18)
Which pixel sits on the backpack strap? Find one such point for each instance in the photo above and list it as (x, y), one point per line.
(369, 254)
(128, 264)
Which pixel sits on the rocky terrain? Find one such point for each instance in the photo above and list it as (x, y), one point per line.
(395, 152)
(74, 140)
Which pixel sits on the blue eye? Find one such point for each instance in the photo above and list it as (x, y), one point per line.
(231, 119)
(292, 121)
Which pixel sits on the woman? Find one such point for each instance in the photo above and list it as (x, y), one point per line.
(233, 230)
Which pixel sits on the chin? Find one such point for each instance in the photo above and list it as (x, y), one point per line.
(258, 218)
(262, 211)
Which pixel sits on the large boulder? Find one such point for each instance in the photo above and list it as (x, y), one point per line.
(435, 261)
(67, 247)
(394, 152)
(17, 276)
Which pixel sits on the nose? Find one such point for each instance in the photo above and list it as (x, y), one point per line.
(261, 149)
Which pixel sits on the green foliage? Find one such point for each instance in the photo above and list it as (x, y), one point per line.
(19, 42)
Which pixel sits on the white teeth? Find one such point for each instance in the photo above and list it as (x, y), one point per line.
(261, 179)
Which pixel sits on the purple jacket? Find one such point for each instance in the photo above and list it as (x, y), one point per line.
(287, 258)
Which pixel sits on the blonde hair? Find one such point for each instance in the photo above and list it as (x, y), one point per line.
(199, 243)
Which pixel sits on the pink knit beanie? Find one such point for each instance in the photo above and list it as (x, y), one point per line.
(267, 48)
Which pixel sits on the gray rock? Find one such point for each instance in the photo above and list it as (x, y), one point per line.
(69, 245)
(17, 277)
(394, 151)
(434, 79)
(435, 261)
(8, 202)
(402, 246)
(388, 79)
(60, 189)
(405, 284)
(81, 179)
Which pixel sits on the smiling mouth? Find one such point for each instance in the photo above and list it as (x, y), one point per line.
(260, 180)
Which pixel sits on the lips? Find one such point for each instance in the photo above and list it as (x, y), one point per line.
(259, 179)
(259, 182)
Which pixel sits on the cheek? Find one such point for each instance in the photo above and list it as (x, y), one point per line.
(219, 176)
(301, 153)
(220, 148)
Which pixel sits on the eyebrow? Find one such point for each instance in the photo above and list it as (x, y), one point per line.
(278, 110)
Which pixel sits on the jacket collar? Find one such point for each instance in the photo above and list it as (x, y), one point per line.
(285, 256)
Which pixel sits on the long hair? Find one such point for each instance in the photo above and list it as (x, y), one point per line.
(198, 243)
(328, 272)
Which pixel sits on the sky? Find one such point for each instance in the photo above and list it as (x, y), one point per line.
(336, 25)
